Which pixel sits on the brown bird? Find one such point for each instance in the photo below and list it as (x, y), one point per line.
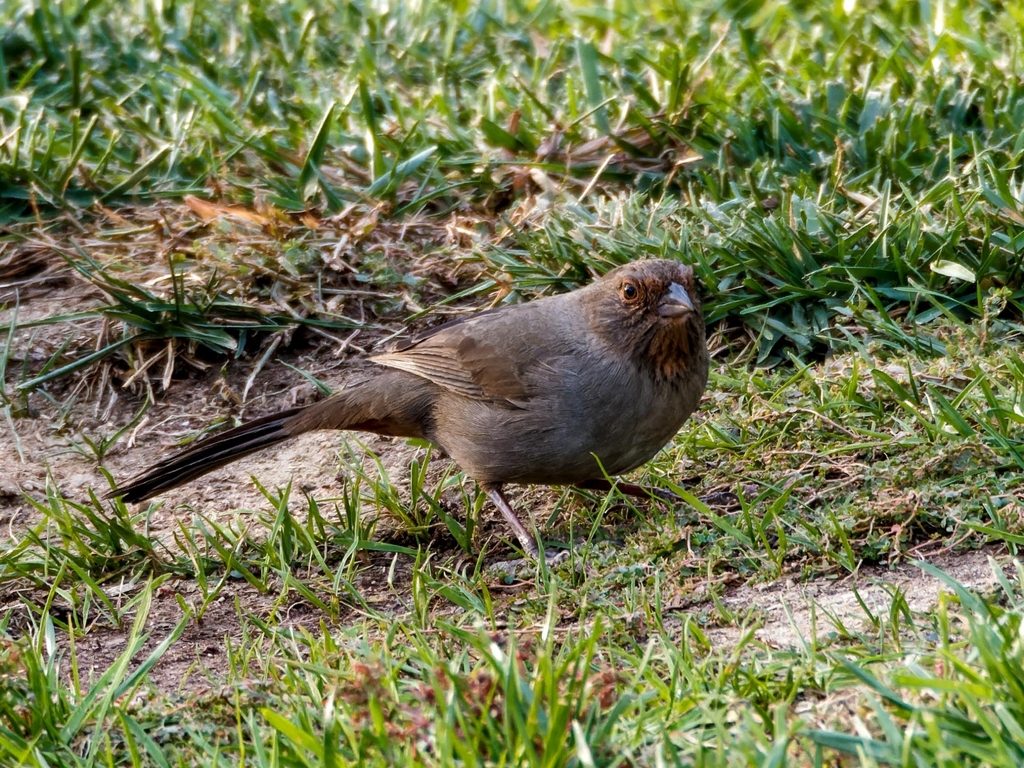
(558, 391)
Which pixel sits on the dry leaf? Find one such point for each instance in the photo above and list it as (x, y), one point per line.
(207, 210)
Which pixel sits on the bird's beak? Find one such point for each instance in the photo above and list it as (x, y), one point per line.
(675, 302)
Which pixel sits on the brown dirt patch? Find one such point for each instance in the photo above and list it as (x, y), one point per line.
(794, 613)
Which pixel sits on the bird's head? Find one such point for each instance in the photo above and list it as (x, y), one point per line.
(652, 310)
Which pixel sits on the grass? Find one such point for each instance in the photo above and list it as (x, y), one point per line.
(196, 186)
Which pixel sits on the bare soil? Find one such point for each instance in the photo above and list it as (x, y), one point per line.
(796, 612)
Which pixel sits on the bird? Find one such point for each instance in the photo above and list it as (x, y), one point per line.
(568, 389)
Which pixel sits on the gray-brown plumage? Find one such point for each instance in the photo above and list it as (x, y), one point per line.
(557, 391)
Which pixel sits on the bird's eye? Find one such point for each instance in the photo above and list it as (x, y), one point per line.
(629, 291)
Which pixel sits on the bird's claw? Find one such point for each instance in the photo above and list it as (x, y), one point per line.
(553, 557)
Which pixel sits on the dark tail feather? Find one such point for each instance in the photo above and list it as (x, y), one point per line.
(207, 455)
(390, 403)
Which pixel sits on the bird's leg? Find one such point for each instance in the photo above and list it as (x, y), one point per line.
(526, 541)
(630, 489)
(722, 499)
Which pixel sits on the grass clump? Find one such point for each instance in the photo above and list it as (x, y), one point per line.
(934, 687)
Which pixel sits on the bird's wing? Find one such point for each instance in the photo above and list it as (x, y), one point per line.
(486, 356)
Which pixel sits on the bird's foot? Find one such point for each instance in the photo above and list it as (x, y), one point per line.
(526, 567)
(720, 499)
(553, 557)
(632, 489)
(725, 500)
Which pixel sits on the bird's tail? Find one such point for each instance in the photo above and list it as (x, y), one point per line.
(390, 403)
(207, 455)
